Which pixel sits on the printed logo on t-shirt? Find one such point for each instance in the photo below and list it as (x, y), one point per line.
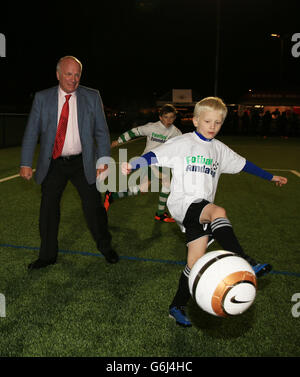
(201, 164)
(158, 137)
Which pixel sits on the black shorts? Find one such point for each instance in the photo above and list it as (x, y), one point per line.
(191, 222)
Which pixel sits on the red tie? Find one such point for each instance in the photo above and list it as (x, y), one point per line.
(61, 129)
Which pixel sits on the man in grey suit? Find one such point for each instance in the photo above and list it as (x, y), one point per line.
(86, 139)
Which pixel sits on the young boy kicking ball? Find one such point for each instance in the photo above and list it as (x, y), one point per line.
(197, 160)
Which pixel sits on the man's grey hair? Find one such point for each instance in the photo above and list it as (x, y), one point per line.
(67, 57)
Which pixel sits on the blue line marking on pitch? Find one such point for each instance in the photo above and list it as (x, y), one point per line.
(86, 253)
(139, 259)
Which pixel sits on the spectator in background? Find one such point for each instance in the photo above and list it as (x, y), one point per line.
(266, 123)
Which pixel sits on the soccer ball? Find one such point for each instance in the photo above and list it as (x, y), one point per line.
(222, 283)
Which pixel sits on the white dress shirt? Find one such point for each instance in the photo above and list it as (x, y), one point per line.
(72, 143)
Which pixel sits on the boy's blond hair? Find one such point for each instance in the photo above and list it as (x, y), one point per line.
(209, 104)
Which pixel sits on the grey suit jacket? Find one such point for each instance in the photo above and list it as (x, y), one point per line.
(42, 122)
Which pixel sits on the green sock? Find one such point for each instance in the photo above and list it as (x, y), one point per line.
(162, 202)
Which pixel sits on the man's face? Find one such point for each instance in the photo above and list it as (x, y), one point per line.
(208, 123)
(68, 75)
(167, 119)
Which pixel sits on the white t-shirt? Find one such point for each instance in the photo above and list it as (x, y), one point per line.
(156, 133)
(196, 167)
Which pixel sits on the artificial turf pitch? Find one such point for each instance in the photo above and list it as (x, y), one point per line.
(83, 306)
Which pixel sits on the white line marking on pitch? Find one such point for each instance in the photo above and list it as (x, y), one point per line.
(12, 177)
(291, 171)
(295, 172)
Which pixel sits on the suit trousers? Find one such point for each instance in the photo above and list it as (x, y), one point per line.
(60, 172)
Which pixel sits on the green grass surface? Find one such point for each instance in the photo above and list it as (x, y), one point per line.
(84, 307)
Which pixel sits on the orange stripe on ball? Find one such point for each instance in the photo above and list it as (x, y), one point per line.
(225, 285)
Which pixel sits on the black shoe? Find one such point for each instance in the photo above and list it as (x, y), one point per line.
(111, 256)
(39, 263)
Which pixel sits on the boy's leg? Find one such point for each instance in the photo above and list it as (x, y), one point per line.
(161, 213)
(162, 201)
(196, 250)
(223, 232)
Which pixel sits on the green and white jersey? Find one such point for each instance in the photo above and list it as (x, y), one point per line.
(156, 133)
(196, 167)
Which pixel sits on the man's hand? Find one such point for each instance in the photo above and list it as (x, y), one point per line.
(102, 168)
(279, 180)
(26, 172)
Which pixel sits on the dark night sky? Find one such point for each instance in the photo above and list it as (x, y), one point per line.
(138, 49)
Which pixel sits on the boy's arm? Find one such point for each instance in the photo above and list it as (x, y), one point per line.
(255, 170)
(145, 160)
(126, 136)
(130, 135)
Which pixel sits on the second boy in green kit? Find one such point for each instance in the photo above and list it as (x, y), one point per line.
(157, 133)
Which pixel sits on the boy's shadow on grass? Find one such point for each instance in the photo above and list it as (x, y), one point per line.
(74, 224)
(263, 283)
(225, 327)
(134, 242)
(222, 327)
